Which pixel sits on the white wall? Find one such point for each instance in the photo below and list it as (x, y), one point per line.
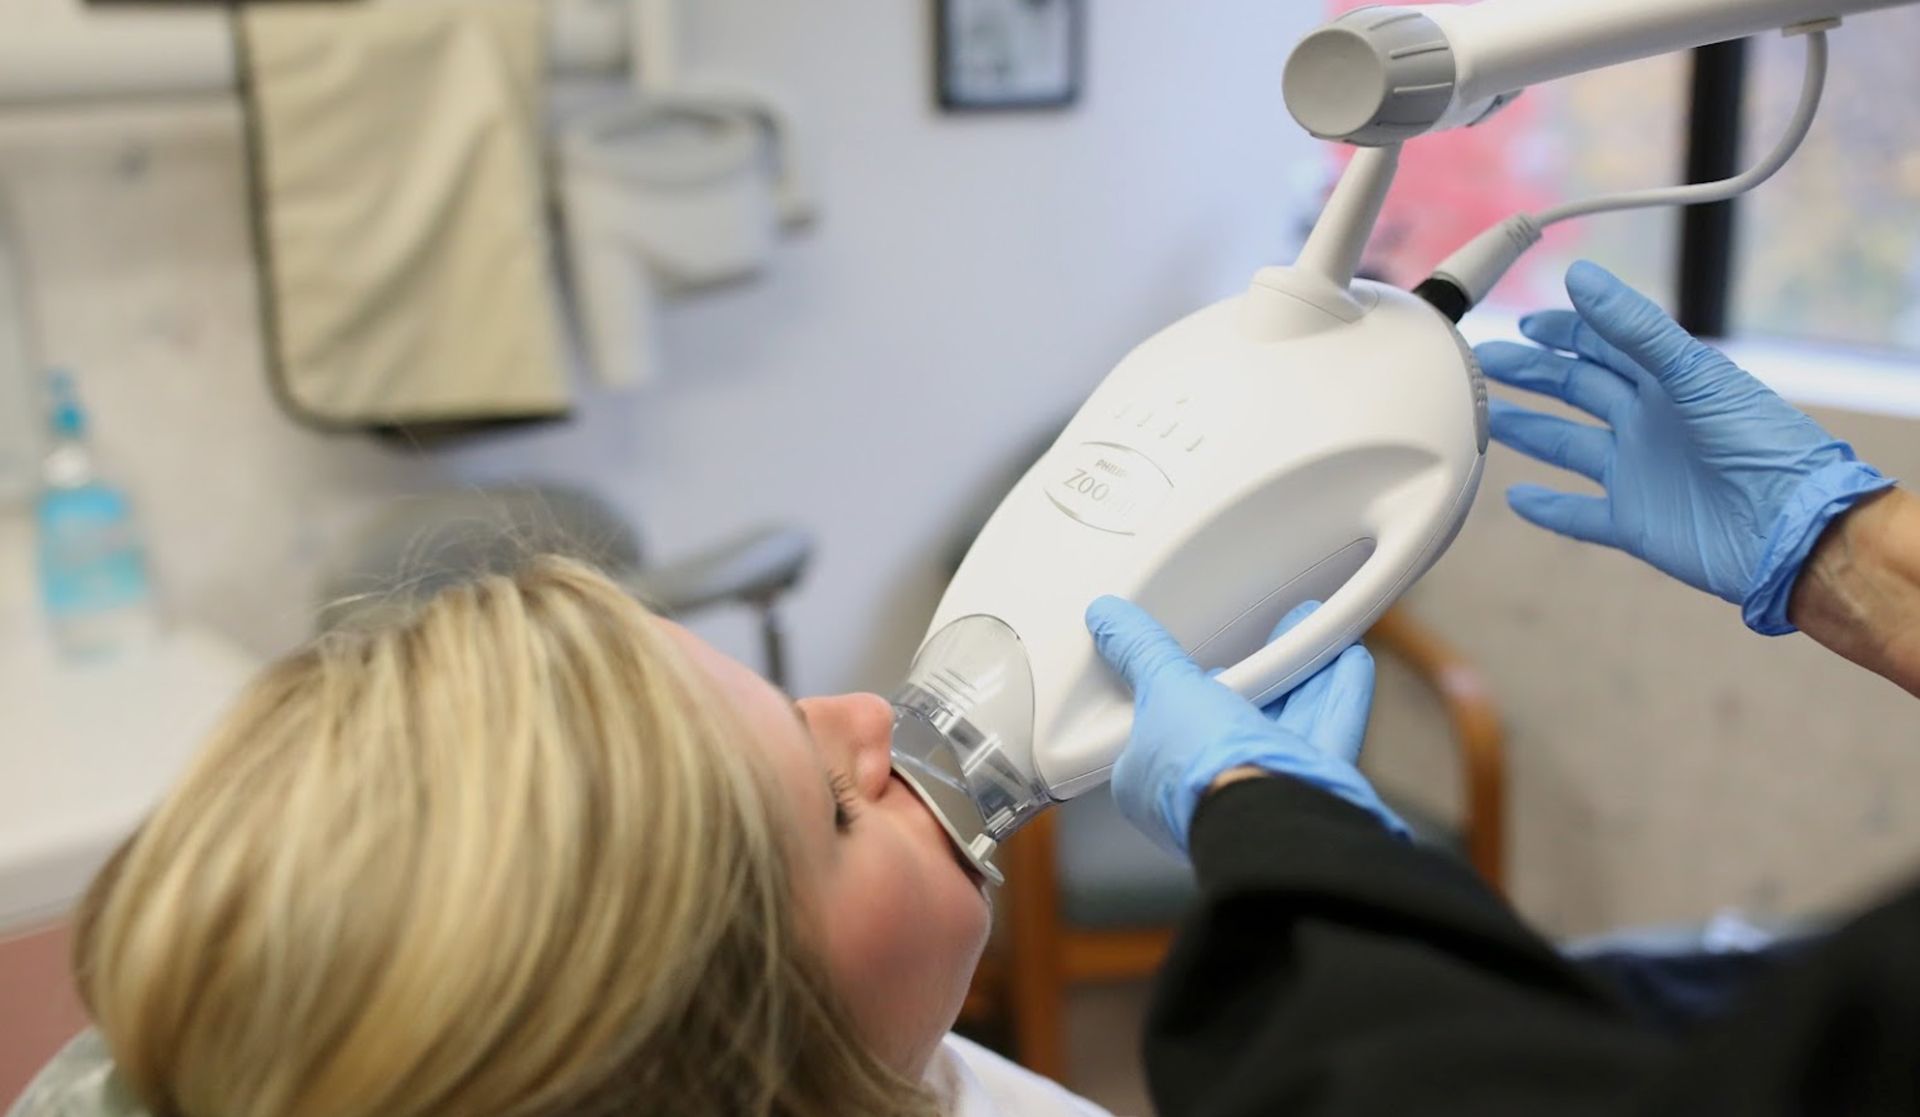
(971, 278)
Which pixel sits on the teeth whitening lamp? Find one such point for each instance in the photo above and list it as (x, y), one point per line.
(1315, 437)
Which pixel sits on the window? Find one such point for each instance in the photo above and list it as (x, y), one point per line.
(1829, 250)
(1826, 252)
(1614, 129)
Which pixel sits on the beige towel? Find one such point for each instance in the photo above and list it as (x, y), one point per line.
(398, 170)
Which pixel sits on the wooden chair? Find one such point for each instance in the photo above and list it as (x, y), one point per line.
(1053, 937)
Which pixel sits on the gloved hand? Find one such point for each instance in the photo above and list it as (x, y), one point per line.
(1189, 728)
(1709, 475)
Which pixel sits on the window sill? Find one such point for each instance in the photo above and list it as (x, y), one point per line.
(1808, 374)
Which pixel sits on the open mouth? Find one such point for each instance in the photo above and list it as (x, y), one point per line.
(974, 875)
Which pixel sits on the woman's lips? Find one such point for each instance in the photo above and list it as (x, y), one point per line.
(946, 840)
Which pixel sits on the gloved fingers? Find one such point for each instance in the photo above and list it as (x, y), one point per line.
(1297, 710)
(1330, 710)
(1134, 643)
(1596, 390)
(1151, 799)
(1632, 323)
(1582, 449)
(1585, 518)
(1567, 332)
(1342, 725)
(1294, 616)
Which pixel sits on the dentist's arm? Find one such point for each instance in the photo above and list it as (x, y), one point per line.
(1330, 968)
(1859, 593)
(1191, 734)
(1710, 476)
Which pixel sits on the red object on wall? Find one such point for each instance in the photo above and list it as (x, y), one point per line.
(1451, 186)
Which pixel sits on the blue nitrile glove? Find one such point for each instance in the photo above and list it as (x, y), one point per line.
(1188, 728)
(1709, 475)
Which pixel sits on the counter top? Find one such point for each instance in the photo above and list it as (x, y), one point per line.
(85, 752)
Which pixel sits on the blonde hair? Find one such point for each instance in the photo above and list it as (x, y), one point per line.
(506, 856)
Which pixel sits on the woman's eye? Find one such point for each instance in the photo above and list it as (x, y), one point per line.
(845, 803)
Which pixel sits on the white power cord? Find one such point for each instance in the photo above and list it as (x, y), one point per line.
(1480, 264)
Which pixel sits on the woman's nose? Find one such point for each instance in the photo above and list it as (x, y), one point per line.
(864, 725)
(872, 724)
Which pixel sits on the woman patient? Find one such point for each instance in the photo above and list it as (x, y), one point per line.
(532, 850)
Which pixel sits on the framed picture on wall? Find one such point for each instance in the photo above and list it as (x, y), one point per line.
(1008, 54)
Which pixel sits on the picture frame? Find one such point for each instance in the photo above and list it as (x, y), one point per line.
(1008, 55)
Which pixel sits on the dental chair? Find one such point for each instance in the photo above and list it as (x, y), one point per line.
(416, 545)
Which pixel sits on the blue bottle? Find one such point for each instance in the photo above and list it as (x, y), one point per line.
(93, 568)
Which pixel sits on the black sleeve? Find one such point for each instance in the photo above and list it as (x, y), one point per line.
(1331, 968)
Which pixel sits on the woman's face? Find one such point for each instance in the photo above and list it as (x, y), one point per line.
(900, 921)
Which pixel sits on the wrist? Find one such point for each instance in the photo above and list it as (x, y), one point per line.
(1859, 592)
(1822, 499)
(1335, 777)
(1235, 775)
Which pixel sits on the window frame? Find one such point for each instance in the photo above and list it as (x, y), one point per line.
(1705, 258)
(1805, 370)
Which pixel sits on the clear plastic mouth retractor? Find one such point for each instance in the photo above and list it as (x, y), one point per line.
(923, 759)
(963, 736)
